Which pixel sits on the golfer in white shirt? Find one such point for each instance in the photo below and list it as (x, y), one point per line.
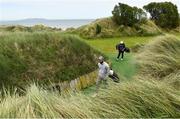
(103, 72)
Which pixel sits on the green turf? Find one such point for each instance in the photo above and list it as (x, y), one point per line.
(125, 68)
(107, 45)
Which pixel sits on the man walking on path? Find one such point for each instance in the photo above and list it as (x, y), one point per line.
(103, 72)
(121, 48)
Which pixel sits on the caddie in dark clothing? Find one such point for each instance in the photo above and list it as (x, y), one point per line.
(121, 48)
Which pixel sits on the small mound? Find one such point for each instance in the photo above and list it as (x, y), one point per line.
(160, 58)
(110, 29)
(43, 57)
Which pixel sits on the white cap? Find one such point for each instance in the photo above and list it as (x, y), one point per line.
(121, 42)
(101, 58)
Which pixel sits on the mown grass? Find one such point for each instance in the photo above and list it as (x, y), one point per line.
(108, 45)
(127, 67)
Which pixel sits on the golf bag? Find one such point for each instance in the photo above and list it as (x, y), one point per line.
(127, 50)
(114, 76)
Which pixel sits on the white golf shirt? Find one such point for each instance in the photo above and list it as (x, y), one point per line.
(103, 69)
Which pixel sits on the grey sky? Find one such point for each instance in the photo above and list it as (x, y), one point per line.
(64, 9)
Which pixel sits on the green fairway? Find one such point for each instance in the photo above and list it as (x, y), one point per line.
(125, 68)
(107, 45)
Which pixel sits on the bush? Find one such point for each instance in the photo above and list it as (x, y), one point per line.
(98, 29)
(165, 14)
(126, 15)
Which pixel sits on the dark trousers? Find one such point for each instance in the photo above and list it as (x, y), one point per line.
(120, 52)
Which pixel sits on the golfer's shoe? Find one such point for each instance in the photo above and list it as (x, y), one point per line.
(117, 59)
(121, 58)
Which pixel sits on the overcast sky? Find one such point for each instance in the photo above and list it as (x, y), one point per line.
(64, 9)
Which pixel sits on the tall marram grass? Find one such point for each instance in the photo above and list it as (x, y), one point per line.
(43, 57)
(160, 57)
(35, 28)
(147, 98)
(131, 99)
(110, 29)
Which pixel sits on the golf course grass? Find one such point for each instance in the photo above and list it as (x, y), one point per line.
(108, 45)
(133, 97)
(125, 68)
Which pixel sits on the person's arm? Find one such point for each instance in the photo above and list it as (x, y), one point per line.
(98, 66)
(116, 47)
(124, 47)
(107, 69)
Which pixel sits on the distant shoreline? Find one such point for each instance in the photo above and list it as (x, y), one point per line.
(61, 23)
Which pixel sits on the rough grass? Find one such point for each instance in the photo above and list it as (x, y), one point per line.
(160, 58)
(43, 57)
(132, 99)
(19, 28)
(147, 98)
(110, 29)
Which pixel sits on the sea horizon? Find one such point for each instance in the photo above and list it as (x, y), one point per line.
(57, 23)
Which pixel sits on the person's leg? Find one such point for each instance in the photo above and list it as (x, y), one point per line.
(98, 82)
(105, 83)
(122, 56)
(119, 53)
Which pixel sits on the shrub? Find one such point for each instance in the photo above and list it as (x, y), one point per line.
(98, 29)
(165, 14)
(126, 15)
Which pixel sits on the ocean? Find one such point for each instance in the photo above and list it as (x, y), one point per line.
(63, 24)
